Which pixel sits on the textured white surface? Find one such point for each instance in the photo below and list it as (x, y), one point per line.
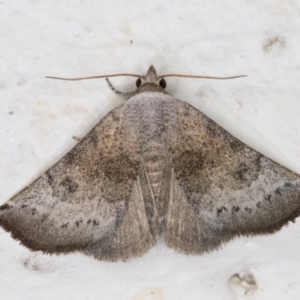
(40, 116)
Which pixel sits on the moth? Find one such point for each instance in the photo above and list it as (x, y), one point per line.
(154, 166)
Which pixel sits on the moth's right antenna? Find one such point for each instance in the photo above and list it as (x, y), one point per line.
(200, 76)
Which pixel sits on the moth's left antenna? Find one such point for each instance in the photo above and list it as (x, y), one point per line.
(124, 94)
(94, 77)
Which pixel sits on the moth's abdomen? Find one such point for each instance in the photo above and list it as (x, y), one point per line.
(154, 155)
(154, 165)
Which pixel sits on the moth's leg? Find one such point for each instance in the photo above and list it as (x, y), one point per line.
(123, 94)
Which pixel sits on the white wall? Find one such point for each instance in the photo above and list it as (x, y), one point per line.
(40, 116)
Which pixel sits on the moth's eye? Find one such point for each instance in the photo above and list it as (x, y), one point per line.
(138, 82)
(163, 83)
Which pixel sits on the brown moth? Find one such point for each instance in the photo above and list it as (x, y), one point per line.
(153, 166)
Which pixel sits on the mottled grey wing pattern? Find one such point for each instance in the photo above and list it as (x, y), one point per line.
(153, 165)
(89, 201)
(221, 188)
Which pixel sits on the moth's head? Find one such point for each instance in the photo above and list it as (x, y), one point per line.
(151, 77)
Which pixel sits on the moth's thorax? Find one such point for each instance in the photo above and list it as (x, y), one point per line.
(148, 115)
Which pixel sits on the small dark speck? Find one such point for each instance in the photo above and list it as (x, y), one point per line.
(11, 113)
(267, 198)
(44, 217)
(78, 222)
(95, 222)
(235, 208)
(131, 42)
(248, 210)
(4, 206)
(76, 138)
(278, 191)
(89, 221)
(220, 210)
(275, 42)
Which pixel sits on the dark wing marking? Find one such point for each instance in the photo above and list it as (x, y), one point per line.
(86, 201)
(224, 186)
